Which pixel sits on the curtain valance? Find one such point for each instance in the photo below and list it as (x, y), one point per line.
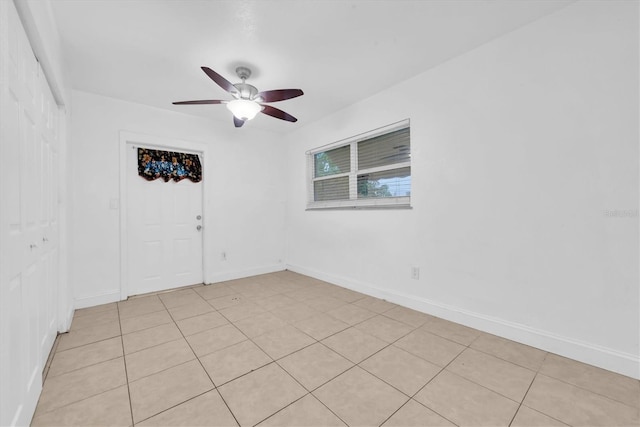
(154, 164)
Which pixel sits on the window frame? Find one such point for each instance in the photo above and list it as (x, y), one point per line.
(396, 202)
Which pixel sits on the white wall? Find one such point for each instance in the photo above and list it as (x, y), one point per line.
(247, 204)
(518, 149)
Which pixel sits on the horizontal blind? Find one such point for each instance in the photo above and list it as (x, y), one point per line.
(387, 149)
(331, 189)
(332, 162)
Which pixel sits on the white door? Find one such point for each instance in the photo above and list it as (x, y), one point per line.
(47, 218)
(28, 221)
(164, 231)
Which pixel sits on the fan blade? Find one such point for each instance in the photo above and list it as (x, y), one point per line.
(279, 95)
(203, 101)
(221, 81)
(238, 122)
(278, 114)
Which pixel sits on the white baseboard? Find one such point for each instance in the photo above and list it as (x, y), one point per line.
(241, 274)
(104, 298)
(66, 322)
(593, 354)
(114, 295)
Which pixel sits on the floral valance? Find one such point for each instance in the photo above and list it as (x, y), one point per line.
(154, 164)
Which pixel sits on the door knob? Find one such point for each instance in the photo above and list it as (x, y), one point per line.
(199, 217)
(199, 227)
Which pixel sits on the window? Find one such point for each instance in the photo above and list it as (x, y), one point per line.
(368, 170)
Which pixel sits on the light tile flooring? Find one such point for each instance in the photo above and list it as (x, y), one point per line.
(287, 350)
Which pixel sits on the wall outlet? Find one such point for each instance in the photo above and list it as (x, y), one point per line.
(223, 256)
(415, 273)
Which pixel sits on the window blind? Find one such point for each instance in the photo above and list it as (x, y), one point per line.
(367, 170)
(332, 162)
(383, 150)
(332, 189)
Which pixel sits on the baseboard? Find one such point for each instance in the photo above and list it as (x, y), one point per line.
(241, 274)
(66, 323)
(602, 357)
(114, 295)
(104, 298)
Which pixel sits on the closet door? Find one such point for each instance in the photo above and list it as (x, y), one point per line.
(47, 227)
(28, 225)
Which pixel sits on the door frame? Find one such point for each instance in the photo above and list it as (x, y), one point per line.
(127, 139)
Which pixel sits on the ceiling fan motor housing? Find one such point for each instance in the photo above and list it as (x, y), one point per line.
(246, 91)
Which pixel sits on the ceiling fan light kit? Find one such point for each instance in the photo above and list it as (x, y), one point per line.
(248, 101)
(244, 109)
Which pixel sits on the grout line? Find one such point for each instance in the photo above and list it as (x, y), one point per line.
(283, 408)
(589, 391)
(87, 366)
(140, 315)
(451, 361)
(637, 408)
(310, 392)
(410, 397)
(203, 368)
(246, 373)
(342, 356)
(124, 362)
(542, 413)
(506, 360)
(146, 329)
(36, 415)
(93, 325)
(79, 313)
(89, 343)
(413, 400)
(165, 410)
(523, 398)
(355, 364)
(429, 382)
(329, 380)
(288, 354)
(291, 376)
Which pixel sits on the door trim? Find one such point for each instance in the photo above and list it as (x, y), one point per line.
(126, 140)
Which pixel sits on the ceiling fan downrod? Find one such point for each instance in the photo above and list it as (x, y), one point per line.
(245, 90)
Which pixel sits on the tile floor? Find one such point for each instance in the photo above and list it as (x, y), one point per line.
(287, 350)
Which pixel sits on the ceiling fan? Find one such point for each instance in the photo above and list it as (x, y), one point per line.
(247, 100)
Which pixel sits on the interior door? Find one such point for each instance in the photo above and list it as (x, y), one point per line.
(164, 231)
(28, 224)
(47, 218)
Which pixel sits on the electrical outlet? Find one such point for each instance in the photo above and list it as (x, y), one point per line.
(415, 273)
(223, 256)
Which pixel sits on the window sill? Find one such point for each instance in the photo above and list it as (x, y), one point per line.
(381, 203)
(358, 208)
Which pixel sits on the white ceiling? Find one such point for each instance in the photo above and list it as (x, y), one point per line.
(337, 52)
